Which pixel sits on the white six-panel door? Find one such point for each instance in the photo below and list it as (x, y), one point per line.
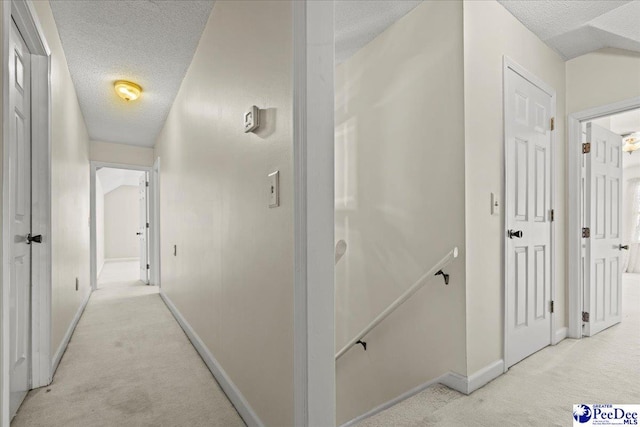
(603, 266)
(20, 211)
(528, 218)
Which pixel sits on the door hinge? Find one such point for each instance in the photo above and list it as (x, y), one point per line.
(585, 316)
(586, 148)
(586, 232)
(553, 123)
(146, 184)
(553, 216)
(148, 266)
(147, 225)
(551, 307)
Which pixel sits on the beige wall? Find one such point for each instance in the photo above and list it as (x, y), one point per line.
(490, 32)
(400, 206)
(601, 78)
(99, 225)
(69, 187)
(121, 223)
(110, 152)
(233, 276)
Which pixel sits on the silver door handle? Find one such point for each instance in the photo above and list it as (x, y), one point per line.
(515, 233)
(625, 247)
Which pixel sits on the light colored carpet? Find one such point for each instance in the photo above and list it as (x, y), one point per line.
(128, 364)
(540, 390)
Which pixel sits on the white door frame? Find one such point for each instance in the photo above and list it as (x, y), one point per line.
(93, 248)
(510, 64)
(154, 219)
(27, 22)
(575, 200)
(313, 164)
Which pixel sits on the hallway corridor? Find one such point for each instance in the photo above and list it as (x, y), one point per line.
(128, 364)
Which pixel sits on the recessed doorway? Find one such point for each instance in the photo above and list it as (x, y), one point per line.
(610, 215)
(602, 185)
(123, 231)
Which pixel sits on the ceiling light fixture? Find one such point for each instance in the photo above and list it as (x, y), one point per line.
(128, 91)
(631, 142)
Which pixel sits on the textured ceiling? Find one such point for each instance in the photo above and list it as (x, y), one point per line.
(573, 28)
(359, 22)
(148, 42)
(110, 178)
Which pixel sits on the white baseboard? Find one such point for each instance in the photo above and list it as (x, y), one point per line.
(233, 393)
(393, 402)
(121, 259)
(455, 381)
(561, 334)
(67, 337)
(465, 385)
(485, 375)
(473, 382)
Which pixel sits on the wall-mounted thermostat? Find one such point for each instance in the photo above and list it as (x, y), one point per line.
(251, 119)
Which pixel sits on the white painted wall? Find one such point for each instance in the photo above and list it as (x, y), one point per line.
(400, 206)
(121, 222)
(601, 78)
(99, 225)
(631, 174)
(110, 152)
(490, 32)
(232, 278)
(112, 178)
(70, 187)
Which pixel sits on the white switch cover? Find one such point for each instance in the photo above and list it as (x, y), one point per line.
(495, 204)
(274, 189)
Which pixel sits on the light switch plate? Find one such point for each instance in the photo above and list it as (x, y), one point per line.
(495, 204)
(274, 189)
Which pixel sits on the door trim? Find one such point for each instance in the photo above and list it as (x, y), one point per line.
(575, 201)
(314, 387)
(154, 215)
(23, 13)
(95, 165)
(510, 64)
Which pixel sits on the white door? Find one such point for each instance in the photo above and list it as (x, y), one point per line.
(528, 218)
(20, 211)
(603, 280)
(143, 229)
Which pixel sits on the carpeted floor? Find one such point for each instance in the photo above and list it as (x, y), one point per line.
(128, 364)
(540, 390)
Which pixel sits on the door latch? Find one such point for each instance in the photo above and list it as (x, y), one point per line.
(37, 239)
(515, 233)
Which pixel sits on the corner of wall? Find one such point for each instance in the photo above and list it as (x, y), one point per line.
(490, 33)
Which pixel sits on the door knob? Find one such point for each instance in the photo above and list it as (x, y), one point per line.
(625, 247)
(515, 233)
(37, 239)
(138, 234)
